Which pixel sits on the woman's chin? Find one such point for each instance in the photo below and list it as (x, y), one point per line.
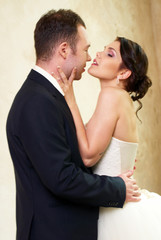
(91, 72)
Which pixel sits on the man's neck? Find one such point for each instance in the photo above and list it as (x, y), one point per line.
(45, 65)
(48, 76)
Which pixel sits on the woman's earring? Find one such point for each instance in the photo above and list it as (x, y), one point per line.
(117, 81)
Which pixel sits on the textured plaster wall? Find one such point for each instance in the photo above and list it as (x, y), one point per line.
(105, 19)
(149, 164)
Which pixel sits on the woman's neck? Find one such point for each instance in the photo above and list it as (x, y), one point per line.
(111, 83)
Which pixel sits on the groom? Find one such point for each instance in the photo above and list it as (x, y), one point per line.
(57, 197)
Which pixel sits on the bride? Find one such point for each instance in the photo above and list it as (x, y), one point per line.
(109, 141)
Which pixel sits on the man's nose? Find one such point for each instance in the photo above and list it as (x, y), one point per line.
(89, 58)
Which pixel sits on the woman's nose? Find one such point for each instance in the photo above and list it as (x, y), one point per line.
(98, 54)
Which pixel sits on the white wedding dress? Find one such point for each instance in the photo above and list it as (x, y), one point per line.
(135, 221)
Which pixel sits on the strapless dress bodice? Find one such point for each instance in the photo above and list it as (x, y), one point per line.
(119, 157)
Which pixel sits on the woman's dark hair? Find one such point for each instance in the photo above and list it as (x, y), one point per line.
(135, 59)
(53, 28)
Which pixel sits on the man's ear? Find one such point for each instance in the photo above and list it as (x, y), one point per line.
(63, 49)
(124, 74)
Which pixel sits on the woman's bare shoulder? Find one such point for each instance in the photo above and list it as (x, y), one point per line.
(113, 94)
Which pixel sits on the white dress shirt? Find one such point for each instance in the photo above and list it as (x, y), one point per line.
(49, 78)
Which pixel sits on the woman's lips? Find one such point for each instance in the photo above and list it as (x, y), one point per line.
(95, 62)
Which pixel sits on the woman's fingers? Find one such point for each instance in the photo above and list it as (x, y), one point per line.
(72, 76)
(62, 75)
(55, 76)
(59, 80)
(65, 84)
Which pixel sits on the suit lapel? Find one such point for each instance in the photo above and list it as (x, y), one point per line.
(41, 80)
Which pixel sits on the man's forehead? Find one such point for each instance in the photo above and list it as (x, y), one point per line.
(83, 35)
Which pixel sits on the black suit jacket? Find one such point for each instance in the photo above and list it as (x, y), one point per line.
(57, 197)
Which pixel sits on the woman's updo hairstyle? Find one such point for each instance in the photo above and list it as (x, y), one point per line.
(135, 59)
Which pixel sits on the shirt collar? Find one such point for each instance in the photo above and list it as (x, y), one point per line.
(49, 78)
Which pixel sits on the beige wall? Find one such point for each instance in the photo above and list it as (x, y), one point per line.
(149, 165)
(105, 19)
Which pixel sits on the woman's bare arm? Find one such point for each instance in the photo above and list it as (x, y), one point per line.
(95, 137)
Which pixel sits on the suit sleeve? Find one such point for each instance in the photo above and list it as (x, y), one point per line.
(44, 140)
